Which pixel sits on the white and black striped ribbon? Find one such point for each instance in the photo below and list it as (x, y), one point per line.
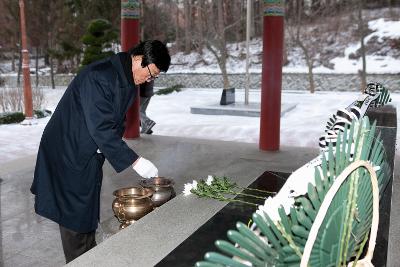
(354, 111)
(297, 183)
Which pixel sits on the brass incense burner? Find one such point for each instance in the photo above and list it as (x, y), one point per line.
(162, 187)
(131, 204)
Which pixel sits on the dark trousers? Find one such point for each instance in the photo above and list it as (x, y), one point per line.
(75, 244)
(144, 102)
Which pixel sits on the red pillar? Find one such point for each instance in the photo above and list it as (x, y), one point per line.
(130, 13)
(271, 75)
(28, 103)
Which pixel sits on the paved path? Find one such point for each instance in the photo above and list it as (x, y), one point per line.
(27, 239)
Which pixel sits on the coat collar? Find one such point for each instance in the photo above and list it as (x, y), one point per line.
(123, 64)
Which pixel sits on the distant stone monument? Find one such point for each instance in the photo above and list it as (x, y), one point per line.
(228, 96)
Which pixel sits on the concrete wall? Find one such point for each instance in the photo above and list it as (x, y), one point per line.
(291, 81)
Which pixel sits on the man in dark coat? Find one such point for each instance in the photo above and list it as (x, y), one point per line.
(87, 127)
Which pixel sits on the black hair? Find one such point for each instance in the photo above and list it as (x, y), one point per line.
(153, 51)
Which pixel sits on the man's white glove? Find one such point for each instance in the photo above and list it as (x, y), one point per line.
(145, 168)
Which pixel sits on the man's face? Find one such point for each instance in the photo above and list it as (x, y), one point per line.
(144, 74)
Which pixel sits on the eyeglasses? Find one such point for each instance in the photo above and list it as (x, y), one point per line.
(152, 78)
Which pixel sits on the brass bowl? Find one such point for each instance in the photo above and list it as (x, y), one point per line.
(162, 187)
(131, 204)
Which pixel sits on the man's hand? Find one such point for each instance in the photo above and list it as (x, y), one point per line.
(145, 168)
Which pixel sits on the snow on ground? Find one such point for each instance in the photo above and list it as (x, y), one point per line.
(301, 126)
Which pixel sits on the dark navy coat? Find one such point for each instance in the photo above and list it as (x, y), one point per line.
(89, 116)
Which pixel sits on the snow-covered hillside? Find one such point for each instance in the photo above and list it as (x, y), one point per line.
(338, 51)
(383, 29)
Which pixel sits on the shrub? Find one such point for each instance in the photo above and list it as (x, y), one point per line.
(41, 113)
(12, 99)
(171, 89)
(17, 117)
(11, 117)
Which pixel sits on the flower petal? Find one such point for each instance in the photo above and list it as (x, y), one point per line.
(194, 184)
(210, 178)
(186, 190)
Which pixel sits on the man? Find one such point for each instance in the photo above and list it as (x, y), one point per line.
(146, 92)
(87, 127)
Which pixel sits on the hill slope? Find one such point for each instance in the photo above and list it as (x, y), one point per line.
(333, 41)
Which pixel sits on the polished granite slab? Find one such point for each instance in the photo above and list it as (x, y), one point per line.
(201, 241)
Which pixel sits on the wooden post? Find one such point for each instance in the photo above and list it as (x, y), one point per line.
(28, 104)
(130, 13)
(271, 75)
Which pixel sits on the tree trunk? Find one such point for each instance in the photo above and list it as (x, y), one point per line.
(315, 7)
(311, 77)
(37, 65)
(225, 75)
(222, 44)
(12, 60)
(201, 20)
(237, 14)
(363, 72)
(243, 18)
(285, 55)
(310, 63)
(49, 45)
(222, 65)
(290, 9)
(19, 67)
(154, 23)
(177, 25)
(391, 10)
(53, 86)
(12, 53)
(187, 5)
(142, 25)
(253, 24)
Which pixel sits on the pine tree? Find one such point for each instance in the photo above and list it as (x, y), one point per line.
(98, 40)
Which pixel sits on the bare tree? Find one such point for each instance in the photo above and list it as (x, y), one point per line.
(297, 36)
(361, 32)
(200, 22)
(177, 35)
(37, 66)
(19, 64)
(306, 39)
(13, 46)
(49, 45)
(308, 54)
(216, 41)
(238, 13)
(142, 25)
(188, 38)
